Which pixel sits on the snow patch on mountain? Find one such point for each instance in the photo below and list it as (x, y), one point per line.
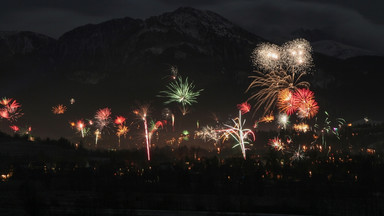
(339, 50)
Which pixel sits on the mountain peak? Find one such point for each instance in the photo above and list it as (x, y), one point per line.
(195, 22)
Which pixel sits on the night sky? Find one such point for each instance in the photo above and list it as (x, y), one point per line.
(356, 23)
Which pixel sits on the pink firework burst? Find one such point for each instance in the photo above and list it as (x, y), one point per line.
(103, 117)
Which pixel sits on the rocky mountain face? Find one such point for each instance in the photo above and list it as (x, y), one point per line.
(121, 60)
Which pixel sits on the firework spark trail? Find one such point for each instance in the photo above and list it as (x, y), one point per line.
(173, 122)
(97, 136)
(182, 92)
(239, 133)
(147, 137)
(80, 125)
(142, 112)
(155, 127)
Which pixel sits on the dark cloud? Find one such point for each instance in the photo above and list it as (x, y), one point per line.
(352, 22)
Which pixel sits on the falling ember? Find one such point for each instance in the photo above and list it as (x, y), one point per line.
(59, 109)
(72, 101)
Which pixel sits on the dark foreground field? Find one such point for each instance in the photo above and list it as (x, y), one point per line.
(55, 178)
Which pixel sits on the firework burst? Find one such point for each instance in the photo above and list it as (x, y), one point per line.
(270, 85)
(240, 134)
(283, 121)
(182, 92)
(103, 118)
(306, 105)
(244, 107)
(286, 102)
(280, 68)
(119, 120)
(276, 144)
(59, 109)
(10, 110)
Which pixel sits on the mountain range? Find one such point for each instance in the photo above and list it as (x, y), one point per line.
(120, 61)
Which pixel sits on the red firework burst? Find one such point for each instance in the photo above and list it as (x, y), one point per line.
(244, 107)
(306, 105)
(119, 120)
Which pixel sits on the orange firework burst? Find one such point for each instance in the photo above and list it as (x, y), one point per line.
(119, 120)
(5, 101)
(244, 107)
(286, 102)
(122, 130)
(268, 118)
(306, 105)
(301, 127)
(59, 109)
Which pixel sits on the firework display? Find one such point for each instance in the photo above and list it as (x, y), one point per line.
(182, 92)
(280, 72)
(287, 103)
